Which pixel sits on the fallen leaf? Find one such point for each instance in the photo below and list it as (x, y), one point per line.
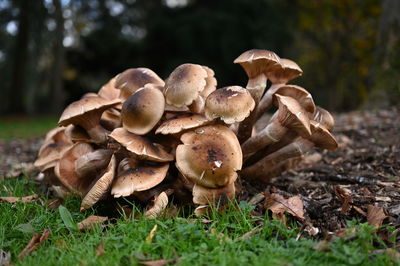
(157, 262)
(375, 215)
(91, 221)
(100, 249)
(360, 211)
(150, 237)
(279, 205)
(25, 199)
(5, 258)
(344, 195)
(53, 204)
(36, 241)
(66, 217)
(160, 203)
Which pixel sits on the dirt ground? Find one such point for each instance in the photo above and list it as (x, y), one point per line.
(360, 179)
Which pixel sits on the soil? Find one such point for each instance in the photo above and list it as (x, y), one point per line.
(334, 186)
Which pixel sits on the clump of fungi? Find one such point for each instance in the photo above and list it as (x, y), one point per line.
(145, 138)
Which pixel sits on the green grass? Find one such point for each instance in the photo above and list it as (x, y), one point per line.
(23, 127)
(193, 242)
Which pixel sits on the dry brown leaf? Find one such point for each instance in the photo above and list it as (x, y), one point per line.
(91, 221)
(279, 205)
(360, 211)
(375, 215)
(30, 198)
(53, 204)
(36, 241)
(157, 262)
(257, 198)
(150, 237)
(345, 196)
(100, 249)
(5, 258)
(160, 203)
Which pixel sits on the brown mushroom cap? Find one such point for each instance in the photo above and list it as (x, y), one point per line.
(133, 79)
(213, 196)
(142, 111)
(140, 146)
(288, 71)
(184, 84)
(91, 162)
(231, 104)
(301, 95)
(108, 91)
(86, 113)
(209, 156)
(180, 123)
(211, 83)
(160, 204)
(324, 117)
(292, 115)
(256, 62)
(77, 134)
(138, 179)
(111, 119)
(67, 172)
(321, 137)
(100, 186)
(126, 164)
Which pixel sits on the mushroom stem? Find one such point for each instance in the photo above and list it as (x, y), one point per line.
(256, 87)
(271, 134)
(263, 166)
(266, 101)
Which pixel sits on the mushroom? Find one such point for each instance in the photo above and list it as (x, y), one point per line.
(86, 113)
(91, 162)
(184, 84)
(301, 95)
(108, 91)
(231, 104)
(77, 134)
(324, 117)
(160, 204)
(138, 179)
(320, 137)
(180, 123)
(100, 186)
(209, 156)
(257, 64)
(290, 116)
(211, 85)
(142, 110)
(140, 146)
(131, 80)
(287, 71)
(67, 170)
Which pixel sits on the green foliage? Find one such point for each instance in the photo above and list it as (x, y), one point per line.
(22, 127)
(190, 240)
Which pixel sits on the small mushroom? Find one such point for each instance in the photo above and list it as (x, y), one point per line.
(287, 71)
(140, 146)
(100, 186)
(138, 179)
(108, 91)
(142, 110)
(184, 84)
(131, 80)
(77, 134)
(302, 96)
(160, 204)
(180, 123)
(320, 137)
(290, 116)
(211, 85)
(257, 65)
(231, 104)
(67, 170)
(209, 156)
(86, 113)
(324, 117)
(91, 162)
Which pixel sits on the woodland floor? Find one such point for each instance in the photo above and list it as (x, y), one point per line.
(357, 182)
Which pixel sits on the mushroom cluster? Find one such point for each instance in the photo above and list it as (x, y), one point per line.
(146, 138)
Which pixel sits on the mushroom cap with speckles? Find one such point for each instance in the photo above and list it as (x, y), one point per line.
(231, 104)
(141, 146)
(180, 123)
(138, 179)
(209, 156)
(184, 84)
(221, 196)
(142, 110)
